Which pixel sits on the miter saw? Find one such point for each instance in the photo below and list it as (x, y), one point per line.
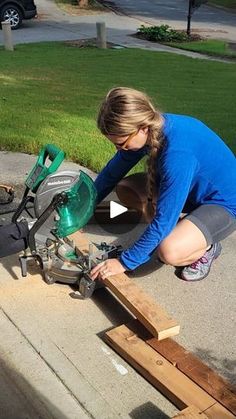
(62, 203)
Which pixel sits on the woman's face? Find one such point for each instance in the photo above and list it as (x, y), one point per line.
(132, 142)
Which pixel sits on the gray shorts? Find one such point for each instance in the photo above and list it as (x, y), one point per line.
(215, 222)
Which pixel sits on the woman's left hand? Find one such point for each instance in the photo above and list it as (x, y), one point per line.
(107, 268)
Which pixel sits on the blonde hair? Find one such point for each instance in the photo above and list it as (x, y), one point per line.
(124, 111)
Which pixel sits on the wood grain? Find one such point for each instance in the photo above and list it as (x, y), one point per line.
(191, 412)
(185, 361)
(217, 411)
(175, 385)
(150, 314)
(200, 373)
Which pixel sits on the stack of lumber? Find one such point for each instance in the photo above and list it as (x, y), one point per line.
(175, 372)
(146, 344)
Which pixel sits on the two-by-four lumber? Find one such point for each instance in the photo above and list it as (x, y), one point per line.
(176, 386)
(215, 412)
(191, 412)
(149, 313)
(194, 368)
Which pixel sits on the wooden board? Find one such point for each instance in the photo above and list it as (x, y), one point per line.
(217, 411)
(149, 313)
(200, 373)
(191, 412)
(175, 385)
(220, 389)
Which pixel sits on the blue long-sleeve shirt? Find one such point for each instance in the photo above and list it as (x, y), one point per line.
(194, 166)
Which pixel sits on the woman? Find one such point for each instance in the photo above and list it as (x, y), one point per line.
(190, 170)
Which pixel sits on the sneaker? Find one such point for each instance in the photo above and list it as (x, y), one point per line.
(201, 268)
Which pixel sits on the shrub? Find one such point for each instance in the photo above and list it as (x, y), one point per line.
(162, 33)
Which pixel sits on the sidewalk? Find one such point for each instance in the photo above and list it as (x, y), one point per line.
(56, 364)
(55, 25)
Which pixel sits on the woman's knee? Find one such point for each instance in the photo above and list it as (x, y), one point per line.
(168, 253)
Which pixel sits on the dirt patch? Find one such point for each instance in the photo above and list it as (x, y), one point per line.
(109, 4)
(74, 10)
(90, 43)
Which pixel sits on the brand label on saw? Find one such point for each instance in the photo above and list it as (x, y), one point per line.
(59, 182)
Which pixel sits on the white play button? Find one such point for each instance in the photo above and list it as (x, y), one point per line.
(116, 209)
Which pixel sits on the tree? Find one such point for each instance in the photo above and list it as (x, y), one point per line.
(192, 6)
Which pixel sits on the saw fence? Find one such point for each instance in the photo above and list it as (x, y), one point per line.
(146, 344)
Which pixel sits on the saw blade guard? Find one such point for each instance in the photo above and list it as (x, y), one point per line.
(79, 208)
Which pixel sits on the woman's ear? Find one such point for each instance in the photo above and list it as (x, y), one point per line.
(144, 130)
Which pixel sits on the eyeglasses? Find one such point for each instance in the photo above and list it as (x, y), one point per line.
(123, 146)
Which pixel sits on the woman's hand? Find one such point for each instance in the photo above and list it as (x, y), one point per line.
(107, 268)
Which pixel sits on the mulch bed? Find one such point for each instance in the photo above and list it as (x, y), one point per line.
(192, 37)
(89, 43)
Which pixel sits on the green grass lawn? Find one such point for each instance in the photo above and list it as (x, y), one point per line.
(209, 47)
(50, 93)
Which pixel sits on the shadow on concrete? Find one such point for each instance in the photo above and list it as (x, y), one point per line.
(19, 400)
(147, 411)
(115, 312)
(11, 262)
(8, 263)
(225, 367)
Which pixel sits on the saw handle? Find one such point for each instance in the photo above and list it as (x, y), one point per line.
(53, 152)
(40, 171)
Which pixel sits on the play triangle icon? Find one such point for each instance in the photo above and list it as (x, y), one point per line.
(116, 209)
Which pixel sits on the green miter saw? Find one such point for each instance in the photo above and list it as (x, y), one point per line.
(63, 202)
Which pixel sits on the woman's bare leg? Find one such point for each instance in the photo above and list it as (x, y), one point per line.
(184, 245)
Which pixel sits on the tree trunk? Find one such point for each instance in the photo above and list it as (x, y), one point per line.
(190, 12)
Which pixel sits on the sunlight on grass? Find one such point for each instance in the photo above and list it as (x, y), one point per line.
(6, 80)
(208, 46)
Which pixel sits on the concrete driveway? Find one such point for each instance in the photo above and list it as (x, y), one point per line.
(54, 362)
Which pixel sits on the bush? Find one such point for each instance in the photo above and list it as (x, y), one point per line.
(162, 33)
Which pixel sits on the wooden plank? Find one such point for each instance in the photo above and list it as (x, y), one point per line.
(220, 389)
(150, 314)
(200, 373)
(156, 369)
(217, 411)
(191, 412)
(176, 386)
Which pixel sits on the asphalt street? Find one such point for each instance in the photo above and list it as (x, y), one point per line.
(54, 24)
